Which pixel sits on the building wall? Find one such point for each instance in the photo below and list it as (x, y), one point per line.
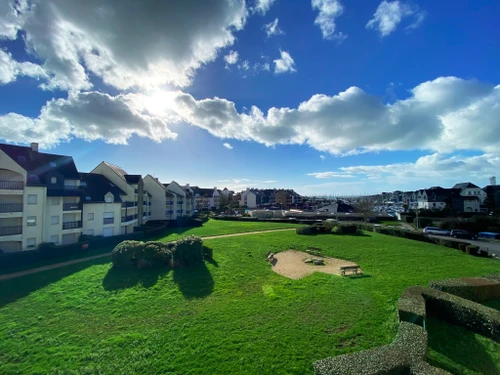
(34, 210)
(476, 192)
(158, 199)
(471, 205)
(97, 224)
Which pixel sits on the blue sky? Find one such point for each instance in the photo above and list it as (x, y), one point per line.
(323, 96)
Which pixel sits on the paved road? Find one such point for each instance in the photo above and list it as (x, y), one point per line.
(74, 261)
(491, 246)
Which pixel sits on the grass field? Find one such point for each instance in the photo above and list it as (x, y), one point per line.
(210, 228)
(230, 316)
(391, 223)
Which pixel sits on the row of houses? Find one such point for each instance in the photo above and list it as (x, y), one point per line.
(284, 198)
(44, 198)
(462, 197)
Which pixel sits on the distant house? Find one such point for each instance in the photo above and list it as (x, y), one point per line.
(438, 198)
(493, 195)
(468, 189)
(204, 198)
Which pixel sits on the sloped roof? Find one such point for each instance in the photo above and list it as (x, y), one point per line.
(118, 170)
(97, 187)
(133, 178)
(202, 191)
(39, 164)
(465, 185)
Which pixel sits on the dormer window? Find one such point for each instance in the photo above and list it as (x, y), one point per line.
(108, 198)
(53, 180)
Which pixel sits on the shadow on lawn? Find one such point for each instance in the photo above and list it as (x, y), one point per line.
(122, 278)
(19, 287)
(458, 345)
(195, 282)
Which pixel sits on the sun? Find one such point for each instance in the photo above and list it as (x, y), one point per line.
(160, 102)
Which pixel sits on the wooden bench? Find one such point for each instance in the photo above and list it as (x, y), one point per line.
(353, 269)
(314, 250)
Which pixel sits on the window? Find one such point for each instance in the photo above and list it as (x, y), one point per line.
(53, 180)
(31, 198)
(31, 221)
(109, 199)
(31, 243)
(107, 232)
(90, 232)
(90, 216)
(54, 238)
(108, 215)
(54, 220)
(55, 201)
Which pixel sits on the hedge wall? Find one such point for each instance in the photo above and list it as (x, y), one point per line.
(476, 289)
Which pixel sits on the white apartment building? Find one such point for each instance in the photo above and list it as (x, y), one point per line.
(468, 189)
(248, 198)
(181, 201)
(204, 198)
(40, 198)
(135, 207)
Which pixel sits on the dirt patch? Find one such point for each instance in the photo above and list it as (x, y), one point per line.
(291, 264)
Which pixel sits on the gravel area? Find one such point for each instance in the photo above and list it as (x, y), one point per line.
(291, 264)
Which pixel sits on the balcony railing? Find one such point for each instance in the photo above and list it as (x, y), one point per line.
(129, 204)
(71, 187)
(180, 202)
(9, 231)
(11, 207)
(108, 220)
(169, 203)
(71, 207)
(12, 185)
(72, 225)
(128, 218)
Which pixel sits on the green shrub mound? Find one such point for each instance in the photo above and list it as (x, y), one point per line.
(346, 229)
(406, 355)
(185, 252)
(478, 289)
(411, 306)
(423, 222)
(304, 230)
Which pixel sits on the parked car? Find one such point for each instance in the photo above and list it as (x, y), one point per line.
(461, 233)
(436, 231)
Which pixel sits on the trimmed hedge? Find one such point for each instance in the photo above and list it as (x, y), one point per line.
(346, 229)
(304, 230)
(472, 250)
(476, 289)
(185, 252)
(406, 355)
(423, 222)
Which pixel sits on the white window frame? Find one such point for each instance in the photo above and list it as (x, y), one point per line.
(53, 180)
(89, 216)
(31, 240)
(108, 199)
(32, 201)
(52, 222)
(108, 215)
(31, 219)
(107, 230)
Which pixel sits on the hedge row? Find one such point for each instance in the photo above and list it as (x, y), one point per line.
(406, 355)
(326, 227)
(185, 252)
(476, 289)
(417, 302)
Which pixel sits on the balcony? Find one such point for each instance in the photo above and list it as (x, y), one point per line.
(129, 204)
(12, 185)
(128, 218)
(71, 187)
(10, 231)
(169, 203)
(180, 202)
(71, 207)
(10, 207)
(108, 220)
(72, 225)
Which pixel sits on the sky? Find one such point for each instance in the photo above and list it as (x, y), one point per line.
(327, 97)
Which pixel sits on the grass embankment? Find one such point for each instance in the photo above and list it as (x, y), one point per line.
(233, 315)
(210, 228)
(391, 223)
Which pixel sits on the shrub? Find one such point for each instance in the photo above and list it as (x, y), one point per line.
(423, 222)
(126, 253)
(477, 289)
(304, 230)
(471, 249)
(188, 251)
(208, 253)
(346, 229)
(493, 229)
(462, 246)
(46, 247)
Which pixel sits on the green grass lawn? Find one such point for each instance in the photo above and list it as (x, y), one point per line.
(210, 228)
(230, 316)
(391, 223)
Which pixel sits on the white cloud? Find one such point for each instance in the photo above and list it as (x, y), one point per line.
(322, 157)
(389, 14)
(272, 28)
(238, 184)
(330, 175)
(227, 145)
(231, 58)
(262, 6)
(284, 64)
(89, 116)
(128, 43)
(11, 69)
(262, 67)
(11, 17)
(245, 65)
(329, 10)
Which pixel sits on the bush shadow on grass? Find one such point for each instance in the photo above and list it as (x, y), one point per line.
(19, 287)
(122, 278)
(194, 282)
(460, 346)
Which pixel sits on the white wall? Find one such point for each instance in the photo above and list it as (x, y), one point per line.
(36, 210)
(97, 225)
(158, 199)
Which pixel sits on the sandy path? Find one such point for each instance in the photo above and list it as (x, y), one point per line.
(75, 261)
(291, 264)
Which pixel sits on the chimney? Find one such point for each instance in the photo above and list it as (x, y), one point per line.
(187, 185)
(493, 180)
(34, 147)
